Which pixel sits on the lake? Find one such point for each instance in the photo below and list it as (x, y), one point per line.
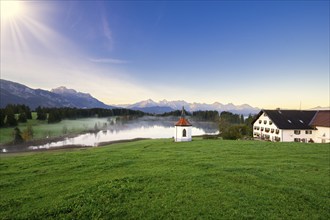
(115, 129)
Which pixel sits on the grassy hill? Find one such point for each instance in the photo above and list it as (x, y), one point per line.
(159, 179)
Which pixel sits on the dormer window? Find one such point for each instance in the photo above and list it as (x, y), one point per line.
(290, 121)
(301, 121)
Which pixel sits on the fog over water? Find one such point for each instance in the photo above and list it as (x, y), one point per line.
(114, 129)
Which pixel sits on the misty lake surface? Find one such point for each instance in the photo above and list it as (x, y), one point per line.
(114, 129)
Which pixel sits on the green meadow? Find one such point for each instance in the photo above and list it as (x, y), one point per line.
(160, 179)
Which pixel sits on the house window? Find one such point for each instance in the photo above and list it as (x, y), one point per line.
(265, 122)
(297, 140)
(184, 133)
(272, 130)
(267, 130)
(308, 132)
(277, 139)
(277, 131)
(296, 131)
(262, 129)
(259, 121)
(270, 122)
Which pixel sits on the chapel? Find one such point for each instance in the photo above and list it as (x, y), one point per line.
(182, 129)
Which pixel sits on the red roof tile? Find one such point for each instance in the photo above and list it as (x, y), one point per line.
(322, 118)
(183, 122)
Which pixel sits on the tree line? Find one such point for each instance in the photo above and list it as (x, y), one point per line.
(8, 115)
(198, 115)
(11, 115)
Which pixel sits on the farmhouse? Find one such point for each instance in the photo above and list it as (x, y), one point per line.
(182, 129)
(292, 126)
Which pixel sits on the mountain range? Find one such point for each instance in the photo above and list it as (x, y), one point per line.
(165, 106)
(15, 93)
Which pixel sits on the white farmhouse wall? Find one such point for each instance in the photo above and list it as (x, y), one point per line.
(322, 135)
(264, 128)
(178, 136)
(291, 136)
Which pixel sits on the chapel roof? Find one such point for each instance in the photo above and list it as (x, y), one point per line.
(183, 121)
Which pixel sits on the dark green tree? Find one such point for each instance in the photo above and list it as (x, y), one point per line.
(2, 118)
(248, 123)
(22, 117)
(235, 132)
(41, 114)
(54, 116)
(18, 136)
(11, 120)
(242, 119)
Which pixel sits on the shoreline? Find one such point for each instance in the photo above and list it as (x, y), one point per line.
(24, 147)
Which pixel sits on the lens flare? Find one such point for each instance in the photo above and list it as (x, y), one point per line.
(10, 9)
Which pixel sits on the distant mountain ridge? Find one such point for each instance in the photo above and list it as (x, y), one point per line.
(15, 93)
(151, 106)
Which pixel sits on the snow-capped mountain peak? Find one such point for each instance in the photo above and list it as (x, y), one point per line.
(177, 105)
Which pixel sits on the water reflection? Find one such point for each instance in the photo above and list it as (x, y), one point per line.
(114, 129)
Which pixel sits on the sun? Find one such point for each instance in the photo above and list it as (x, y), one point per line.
(10, 9)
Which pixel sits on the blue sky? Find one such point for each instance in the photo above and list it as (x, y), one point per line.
(264, 53)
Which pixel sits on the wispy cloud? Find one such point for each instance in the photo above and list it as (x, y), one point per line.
(106, 30)
(108, 60)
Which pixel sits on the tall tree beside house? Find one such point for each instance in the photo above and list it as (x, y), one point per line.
(242, 119)
(249, 123)
(233, 126)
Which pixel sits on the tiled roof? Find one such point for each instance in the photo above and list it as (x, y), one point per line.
(290, 119)
(322, 118)
(183, 122)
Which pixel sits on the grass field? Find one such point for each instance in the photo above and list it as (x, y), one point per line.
(42, 129)
(159, 179)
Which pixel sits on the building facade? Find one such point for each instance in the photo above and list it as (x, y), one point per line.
(292, 126)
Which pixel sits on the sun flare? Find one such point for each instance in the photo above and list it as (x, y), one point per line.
(11, 9)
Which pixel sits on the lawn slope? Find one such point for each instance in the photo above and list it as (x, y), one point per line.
(159, 179)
